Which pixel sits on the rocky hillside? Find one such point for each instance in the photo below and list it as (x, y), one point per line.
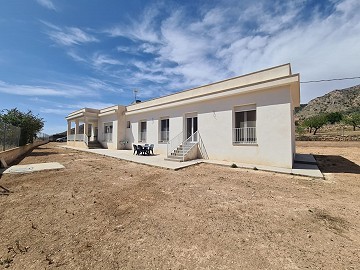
(343, 100)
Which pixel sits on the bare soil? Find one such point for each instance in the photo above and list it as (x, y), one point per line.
(104, 213)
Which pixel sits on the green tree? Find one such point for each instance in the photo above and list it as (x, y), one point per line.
(334, 117)
(353, 119)
(29, 123)
(315, 122)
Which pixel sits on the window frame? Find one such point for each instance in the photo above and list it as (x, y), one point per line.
(161, 139)
(245, 135)
(140, 131)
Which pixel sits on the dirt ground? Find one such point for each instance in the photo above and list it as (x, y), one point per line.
(104, 213)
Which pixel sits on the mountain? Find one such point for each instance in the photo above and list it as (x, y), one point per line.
(343, 100)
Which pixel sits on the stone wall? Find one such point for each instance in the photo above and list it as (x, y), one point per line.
(328, 138)
(12, 154)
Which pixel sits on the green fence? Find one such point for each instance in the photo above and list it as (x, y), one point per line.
(9, 136)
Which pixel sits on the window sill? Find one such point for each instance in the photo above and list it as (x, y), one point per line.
(163, 142)
(244, 144)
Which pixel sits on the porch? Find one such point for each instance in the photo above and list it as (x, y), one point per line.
(82, 127)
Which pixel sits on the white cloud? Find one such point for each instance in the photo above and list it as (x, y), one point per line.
(47, 4)
(224, 42)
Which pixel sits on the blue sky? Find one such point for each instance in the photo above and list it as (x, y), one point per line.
(57, 56)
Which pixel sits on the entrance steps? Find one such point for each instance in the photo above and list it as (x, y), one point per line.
(94, 145)
(180, 153)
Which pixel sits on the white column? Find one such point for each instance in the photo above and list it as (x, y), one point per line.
(86, 126)
(92, 131)
(76, 128)
(68, 128)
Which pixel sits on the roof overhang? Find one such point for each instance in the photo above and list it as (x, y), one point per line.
(291, 81)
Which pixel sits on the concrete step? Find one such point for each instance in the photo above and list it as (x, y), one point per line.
(176, 159)
(176, 155)
(94, 145)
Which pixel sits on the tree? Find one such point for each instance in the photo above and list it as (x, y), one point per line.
(29, 123)
(353, 119)
(315, 122)
(334, 117)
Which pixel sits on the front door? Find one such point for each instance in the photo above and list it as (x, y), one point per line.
(191, 128)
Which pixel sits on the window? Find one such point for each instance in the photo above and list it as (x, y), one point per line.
(164, 130)
(108, 130)
(128, 124)
(142, 131)
(245, 127)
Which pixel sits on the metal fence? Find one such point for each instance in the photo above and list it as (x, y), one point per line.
(9, 136)
(42, 136)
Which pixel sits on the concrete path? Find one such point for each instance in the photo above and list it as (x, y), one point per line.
(305, 167)
(29, 168)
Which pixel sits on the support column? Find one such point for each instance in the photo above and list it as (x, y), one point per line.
(68, 129)
(76, 128)
(92, 132)
(86, 129)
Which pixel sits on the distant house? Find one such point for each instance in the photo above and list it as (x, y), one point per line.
(247, 119)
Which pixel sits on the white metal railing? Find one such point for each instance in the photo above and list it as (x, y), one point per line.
(244, 135)
(174, 143)
(79, 137)
(202, 149)
(107, 137)
(164, 136)
(71, 137)
(193, 139)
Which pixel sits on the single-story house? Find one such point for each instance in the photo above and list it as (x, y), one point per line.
(246, 119)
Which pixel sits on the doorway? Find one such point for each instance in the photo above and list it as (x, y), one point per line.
(191, 126)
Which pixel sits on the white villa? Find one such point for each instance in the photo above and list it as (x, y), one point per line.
(246, 119)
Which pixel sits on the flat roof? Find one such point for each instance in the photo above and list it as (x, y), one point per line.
(257, 78)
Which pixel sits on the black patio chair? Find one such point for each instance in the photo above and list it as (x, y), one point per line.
(135, 148)
(139, 150)
(151, 149)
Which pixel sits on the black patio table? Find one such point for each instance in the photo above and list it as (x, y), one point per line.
(145, 150)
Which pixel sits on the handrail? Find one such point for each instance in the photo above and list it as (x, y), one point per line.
(174, 143)
(186, 141)
(202, 149)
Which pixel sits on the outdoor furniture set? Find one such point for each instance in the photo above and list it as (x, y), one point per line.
(145, 150)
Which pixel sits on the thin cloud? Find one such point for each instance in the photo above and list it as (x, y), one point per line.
(68, 36)
(28, 90)
(99, 60)
(50, 89)
(47, 4)
(138, 30)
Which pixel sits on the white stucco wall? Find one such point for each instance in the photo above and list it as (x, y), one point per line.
(215, 123)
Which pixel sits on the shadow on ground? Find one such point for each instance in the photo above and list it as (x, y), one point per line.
(41, 153)
(336, 164)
